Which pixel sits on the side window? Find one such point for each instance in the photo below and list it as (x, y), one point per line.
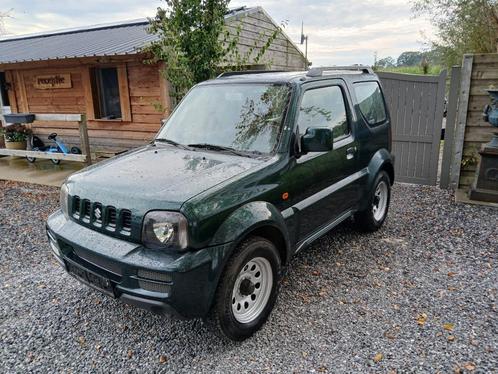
(324, 107)
(371, 102)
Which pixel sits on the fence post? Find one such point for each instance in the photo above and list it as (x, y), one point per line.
(85, 143)
(449, 133)
(461, 120)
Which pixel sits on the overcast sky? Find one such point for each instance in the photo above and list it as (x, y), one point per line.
(340, 31)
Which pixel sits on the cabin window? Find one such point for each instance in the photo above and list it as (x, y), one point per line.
(106, 90)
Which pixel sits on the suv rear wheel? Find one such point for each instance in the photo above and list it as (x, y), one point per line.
(247, 290)
(374, 216)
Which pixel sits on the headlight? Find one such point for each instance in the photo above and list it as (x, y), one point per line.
(165, 230)
(64, 200)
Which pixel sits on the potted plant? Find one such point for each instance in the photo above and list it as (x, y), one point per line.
(15, 136)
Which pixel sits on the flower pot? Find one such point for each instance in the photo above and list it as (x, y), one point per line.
(15, 145)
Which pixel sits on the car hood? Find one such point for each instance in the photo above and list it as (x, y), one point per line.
(156, 177)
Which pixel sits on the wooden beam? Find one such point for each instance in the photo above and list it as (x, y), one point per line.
(74, 62)
(463, 105)
(22, 92)
(59, 117)
(12, 92)
(38, 154)
(85, 142)
(87, 91)
(124, 93)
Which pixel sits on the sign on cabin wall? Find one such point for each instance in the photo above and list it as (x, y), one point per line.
(45, 82)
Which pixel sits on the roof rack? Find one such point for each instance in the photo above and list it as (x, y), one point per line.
(244, 72)
(318, 72)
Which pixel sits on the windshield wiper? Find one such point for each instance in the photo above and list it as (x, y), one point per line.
(214, 147)
(169, 141)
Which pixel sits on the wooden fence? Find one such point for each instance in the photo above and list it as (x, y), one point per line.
(479, 73)
(83, 134)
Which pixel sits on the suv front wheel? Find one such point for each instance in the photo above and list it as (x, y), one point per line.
(247, 290)
(372, 218)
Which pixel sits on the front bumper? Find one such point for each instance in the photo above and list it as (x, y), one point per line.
(181, 284)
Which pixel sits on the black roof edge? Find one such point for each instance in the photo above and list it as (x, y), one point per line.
(76, 31)
(246, 72)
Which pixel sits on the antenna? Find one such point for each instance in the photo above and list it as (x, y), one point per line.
(304, 39)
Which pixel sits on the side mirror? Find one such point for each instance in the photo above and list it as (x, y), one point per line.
(317, 139)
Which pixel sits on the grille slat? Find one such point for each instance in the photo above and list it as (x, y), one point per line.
(87, 207)
(126, 220)
(111, 217)
(76, 205)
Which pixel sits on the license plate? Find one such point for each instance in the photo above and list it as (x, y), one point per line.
(96, 281)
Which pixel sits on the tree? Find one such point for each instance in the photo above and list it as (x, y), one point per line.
(386, 62)
(410, 59)
(194, 42)
(463, 26)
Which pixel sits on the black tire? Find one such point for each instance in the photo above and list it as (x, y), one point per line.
(221, 318)
(32, 159)
(366, 220)
(55, 162)
(75, 151)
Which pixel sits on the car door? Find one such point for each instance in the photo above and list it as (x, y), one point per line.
(324, 189)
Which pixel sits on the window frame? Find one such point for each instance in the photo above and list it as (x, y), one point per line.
(91, 93)
(379, 123)
(345, 101)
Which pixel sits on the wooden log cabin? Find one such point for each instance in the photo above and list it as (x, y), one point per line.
(100, 71)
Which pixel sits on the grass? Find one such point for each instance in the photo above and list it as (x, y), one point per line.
(433, 70)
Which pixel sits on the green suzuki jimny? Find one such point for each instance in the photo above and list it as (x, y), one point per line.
(249, 169)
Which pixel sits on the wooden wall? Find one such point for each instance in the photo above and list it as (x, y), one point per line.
(477, 132)
(282, 54)
(148, 99)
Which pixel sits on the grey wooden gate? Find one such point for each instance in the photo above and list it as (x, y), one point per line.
(416, 104)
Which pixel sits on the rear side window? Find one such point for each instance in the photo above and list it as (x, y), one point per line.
(324, 107)
(371, 102)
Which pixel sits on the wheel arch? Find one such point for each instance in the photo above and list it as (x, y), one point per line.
(381, 160)
(258, 218)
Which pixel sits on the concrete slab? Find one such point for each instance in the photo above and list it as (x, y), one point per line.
(40, 172)
(462, 196)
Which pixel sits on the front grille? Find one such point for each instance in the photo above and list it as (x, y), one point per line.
(105, 218)
(98, 260)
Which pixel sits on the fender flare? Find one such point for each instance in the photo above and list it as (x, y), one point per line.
(249, 218)
(381, 160)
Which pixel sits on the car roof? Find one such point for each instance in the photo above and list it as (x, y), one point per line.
(356, 72)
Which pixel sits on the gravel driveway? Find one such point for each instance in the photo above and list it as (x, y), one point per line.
(419, 295)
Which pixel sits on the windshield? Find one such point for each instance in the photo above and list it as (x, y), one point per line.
(244, 117)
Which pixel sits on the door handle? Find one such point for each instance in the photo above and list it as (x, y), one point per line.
(350, 153)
